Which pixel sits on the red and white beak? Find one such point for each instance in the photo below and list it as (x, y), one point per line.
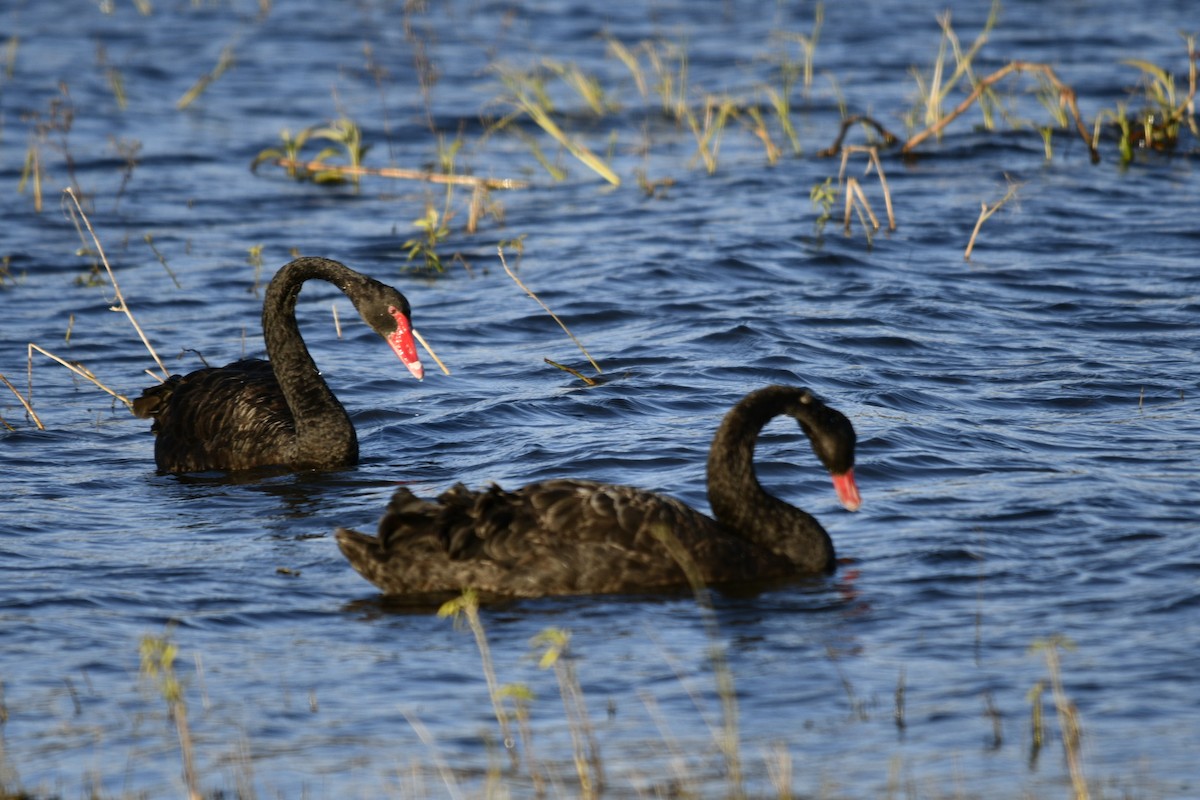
(403, 344)
(847, 490)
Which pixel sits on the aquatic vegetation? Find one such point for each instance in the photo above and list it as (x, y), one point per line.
(934, 88)
(50, 130)
(1070, 728)
(987, 211)
(224, 62)
(289, 155)
(434, 230)
(983, 85)
(527, 95)
(1157, 124)
(158, 655)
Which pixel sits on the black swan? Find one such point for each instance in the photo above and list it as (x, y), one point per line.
(580, 537)
(255, 413)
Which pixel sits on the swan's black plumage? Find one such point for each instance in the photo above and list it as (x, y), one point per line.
(580, 537)
(255, 413)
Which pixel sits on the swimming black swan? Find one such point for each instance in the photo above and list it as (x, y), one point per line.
(255, 413)
(580, 537)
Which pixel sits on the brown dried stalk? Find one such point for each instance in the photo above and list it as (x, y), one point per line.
(855, 196)
(28, 408)
(985, 212)
(529, 292)
(429, 350)
(849, 122)
(403, 174)
(121, 305)
(873, 154)
(1065, 93)
(76, 367)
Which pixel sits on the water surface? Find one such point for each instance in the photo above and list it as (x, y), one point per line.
(1027, 423)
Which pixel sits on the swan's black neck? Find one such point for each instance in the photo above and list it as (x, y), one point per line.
(324, 433)
(739, 501)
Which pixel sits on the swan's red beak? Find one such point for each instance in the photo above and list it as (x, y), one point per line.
(402, 343)
(847, 490)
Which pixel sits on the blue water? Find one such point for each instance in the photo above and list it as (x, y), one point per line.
(1027, 421)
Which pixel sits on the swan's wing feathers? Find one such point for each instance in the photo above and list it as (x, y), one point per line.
(213, 416)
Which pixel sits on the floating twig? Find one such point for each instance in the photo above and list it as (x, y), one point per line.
(529, 292)
(855, 198)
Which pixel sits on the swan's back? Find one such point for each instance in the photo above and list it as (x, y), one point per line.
(220, 418)
(554, 537)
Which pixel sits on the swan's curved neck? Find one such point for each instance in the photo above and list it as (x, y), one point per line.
(739, 501)
(320, 420)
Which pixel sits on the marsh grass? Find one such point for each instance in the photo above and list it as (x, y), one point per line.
(158, 655)
(527, 94)
(1066, 98)
(856, 198)
(935, 87)
(674, 766)
(51, 130)
(1163, 111)
(224, 62)
(1070, 728)
(74, 208)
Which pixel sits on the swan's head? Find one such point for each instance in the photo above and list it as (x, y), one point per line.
(389, 315)
(833, 441)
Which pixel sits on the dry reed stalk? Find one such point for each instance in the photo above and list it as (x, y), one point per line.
(579, 724)
(678, 759)
(28, 408)
(74, 366)
(855, 198)
(1066, 97)
(443, 769)
(835, 148)
(728, 738)
(985, 212)
(404, 174)
(1068, 718)
(529, 292)
(575, 372)
(873, 161)
(467, 604)
(223, 63)
(429, 350)
(121, 305)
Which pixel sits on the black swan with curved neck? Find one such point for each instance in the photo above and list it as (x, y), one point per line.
(580, 537)
(255, 413)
